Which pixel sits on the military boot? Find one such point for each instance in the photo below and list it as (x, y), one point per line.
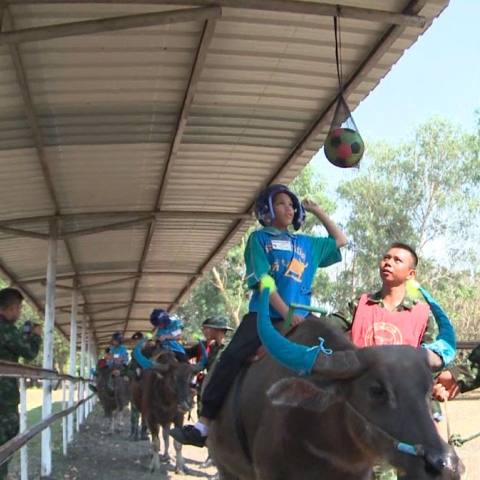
(133, 437)
(144, 433)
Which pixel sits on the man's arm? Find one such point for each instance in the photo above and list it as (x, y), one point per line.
(343, 319)
(460, 378)
(16, 343)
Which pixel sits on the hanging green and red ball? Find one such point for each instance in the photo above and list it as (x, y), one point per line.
(344, 147)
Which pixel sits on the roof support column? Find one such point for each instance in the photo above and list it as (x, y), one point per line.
(73, 356)
(48, 331)
(81, 388)
(89, 368)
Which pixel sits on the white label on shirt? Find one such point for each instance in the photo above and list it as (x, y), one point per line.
(285, 245)
(116, 355)
(176, 332)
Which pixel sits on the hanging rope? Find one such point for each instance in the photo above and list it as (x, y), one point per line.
(338, 51)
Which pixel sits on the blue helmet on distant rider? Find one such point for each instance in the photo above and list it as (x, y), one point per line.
(117, 336)
(264, 206)
(159, 318)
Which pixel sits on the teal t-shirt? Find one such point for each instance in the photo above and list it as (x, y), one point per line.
(175, 328)
(291, 259)
(119, 355)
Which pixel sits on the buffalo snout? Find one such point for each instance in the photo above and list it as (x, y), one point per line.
(446, 466)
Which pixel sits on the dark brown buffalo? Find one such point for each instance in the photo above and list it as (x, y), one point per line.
(113, 393)
(163, 395)
(352, 411)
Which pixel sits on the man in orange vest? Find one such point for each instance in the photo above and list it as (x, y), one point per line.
(396, 316)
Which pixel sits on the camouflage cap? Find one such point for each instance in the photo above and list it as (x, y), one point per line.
(217, 322)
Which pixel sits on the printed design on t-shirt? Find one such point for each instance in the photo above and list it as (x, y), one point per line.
(295, 269)
(275, 266)
(383, 334)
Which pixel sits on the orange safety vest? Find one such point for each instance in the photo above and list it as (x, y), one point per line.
(374, 325)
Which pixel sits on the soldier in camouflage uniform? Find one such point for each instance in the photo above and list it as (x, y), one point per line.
(397, 266)
(215, 332)
(13, 345)
(459, 378)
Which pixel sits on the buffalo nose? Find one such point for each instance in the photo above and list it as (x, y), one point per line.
(453, 468)
(435, 461)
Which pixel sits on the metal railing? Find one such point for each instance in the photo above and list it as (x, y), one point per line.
(84, 405)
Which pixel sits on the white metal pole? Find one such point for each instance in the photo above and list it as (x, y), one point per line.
(81, 409)
(64, 419)
(73, 357)
(23, 427)
(89, 368)
(46, 467)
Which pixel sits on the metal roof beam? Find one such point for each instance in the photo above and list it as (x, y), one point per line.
(104, 310)
(197, 68)
(119, 304)
(102, 25)
(94, 285)
(141, 215)
(106, 274)
(104, 228)
(205, 41)
(284, 6)
(33, 123)
(2, 10)
(23, 233)
(104, 321)
(37, 136)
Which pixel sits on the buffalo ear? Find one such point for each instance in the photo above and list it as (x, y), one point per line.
(300, 393)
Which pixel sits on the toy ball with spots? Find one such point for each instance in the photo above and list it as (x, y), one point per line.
(344, 147)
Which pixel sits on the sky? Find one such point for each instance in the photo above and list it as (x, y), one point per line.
(438, 76)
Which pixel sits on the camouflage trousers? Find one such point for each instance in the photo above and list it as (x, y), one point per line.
(135, 416)
(9, 427)
(385, 472)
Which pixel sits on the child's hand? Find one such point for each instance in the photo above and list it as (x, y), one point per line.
(297, 319)
(310, 205)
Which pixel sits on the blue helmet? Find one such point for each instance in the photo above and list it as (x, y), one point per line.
(160, 317)
(118, 337)
(264, 206)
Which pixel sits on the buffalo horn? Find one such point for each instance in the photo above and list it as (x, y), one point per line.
(300, 358)
(141, 359)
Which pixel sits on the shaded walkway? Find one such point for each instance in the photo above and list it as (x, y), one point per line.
(95, 454)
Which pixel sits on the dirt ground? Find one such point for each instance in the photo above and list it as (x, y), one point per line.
(95, 454)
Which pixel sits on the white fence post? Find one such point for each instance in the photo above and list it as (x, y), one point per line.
(23, 427)
(46, 467)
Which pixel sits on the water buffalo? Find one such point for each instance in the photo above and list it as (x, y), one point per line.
(347, 411)
(163, 395)
(113, 393)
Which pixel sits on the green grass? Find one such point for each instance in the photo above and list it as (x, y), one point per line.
(34, 445)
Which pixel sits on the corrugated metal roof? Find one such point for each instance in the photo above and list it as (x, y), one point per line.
(149, 144)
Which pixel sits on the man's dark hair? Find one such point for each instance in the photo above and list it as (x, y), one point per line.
(404, 246)
(9, 296)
